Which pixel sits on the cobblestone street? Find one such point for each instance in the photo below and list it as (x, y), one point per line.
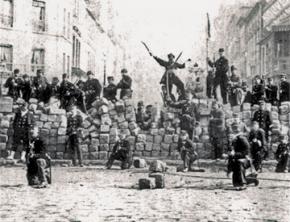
(93, 194)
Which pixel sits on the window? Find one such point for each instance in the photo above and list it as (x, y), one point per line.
(76, 52)
(63, 63)
(38, 15)
(6, 56)
(64, 23)
(6, 13)
(77, 8)
(68, 65)
(37, 60)
(282, 44)
(68, 25)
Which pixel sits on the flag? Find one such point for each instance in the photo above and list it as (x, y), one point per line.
(208, 26)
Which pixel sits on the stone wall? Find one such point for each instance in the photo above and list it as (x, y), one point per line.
(105, 121)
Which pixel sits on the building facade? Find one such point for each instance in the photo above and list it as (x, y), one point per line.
(55, 36)
(259, 40)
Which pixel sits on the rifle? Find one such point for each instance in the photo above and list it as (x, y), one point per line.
(147, 48)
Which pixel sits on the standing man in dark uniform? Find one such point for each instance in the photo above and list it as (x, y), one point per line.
(264, 118)
(22, 125)
(170, 72)
(125, 85)
(258, 90)
(66, 90)
(217, 129)
(26, 88)
(110, 91)
(40, 86)
(257, 141)
(271, 92)
(209, 84)
(221, 78)
(284, 89)
(92, 89)
(74, 132)
(13, 84)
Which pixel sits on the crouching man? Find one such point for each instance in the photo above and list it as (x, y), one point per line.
(38, 162)
(187, 151)
(122, 152)
(239, 161)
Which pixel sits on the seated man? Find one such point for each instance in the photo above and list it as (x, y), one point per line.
(38, 162)
(121, 152)
(110, 91)
(282, 155)
(187, 151)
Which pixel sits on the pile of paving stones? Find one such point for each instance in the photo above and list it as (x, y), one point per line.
(106, 121)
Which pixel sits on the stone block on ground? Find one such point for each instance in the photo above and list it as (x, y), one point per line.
(159, 180)
(158, 166)
(139, 163)
(146, 183)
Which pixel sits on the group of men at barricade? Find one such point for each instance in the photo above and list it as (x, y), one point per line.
(83, 94)
(72, 97)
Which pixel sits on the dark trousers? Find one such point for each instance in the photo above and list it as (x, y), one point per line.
(258, 154)
(239, 167)
(187, 158)
(20, 137)
(222, 82)
(209, 89)
(75, 148)
(217, 144)
(37, 171)
(282, 163)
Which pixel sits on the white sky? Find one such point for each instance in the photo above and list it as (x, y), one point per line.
(167, 25)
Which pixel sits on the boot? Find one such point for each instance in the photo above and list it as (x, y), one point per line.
(23, 157)
(11, 155)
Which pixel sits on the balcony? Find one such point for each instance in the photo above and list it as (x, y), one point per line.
(35, 67)
(6, 20)
(38, 26)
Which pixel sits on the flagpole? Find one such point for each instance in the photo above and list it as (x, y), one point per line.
(206, 46)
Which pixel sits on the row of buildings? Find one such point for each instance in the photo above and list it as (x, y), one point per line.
(256, 37)
(67, 36)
